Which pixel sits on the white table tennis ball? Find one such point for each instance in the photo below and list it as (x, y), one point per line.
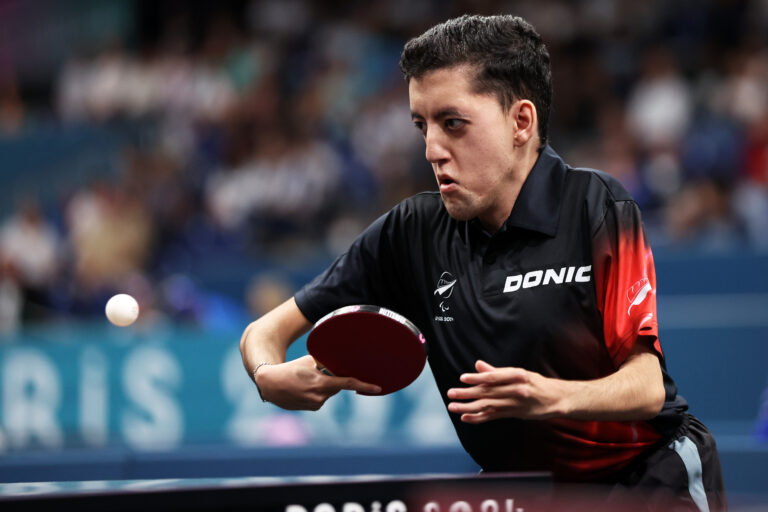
(122, 310)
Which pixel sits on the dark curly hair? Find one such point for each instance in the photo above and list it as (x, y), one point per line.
(509, 56)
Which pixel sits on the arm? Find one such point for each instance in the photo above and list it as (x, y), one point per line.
(625, 285)
(294, 384)
(634, 392)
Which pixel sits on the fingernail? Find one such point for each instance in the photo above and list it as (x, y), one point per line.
(451, 393)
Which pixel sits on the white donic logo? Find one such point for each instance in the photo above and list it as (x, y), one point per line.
(550, 275)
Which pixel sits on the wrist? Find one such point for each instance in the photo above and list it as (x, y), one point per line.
(565, 404)
(255, 375)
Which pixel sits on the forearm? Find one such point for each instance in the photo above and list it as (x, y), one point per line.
(259, 345)
(634, 392)
(267, 339)
(296, 384)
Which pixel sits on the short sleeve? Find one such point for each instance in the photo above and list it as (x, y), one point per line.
(625, 279)
(365, 274)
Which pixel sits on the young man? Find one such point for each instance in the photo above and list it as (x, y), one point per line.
(545, 347)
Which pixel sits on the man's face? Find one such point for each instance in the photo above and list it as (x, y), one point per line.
(469, 140)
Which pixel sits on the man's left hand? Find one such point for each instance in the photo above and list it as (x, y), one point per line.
(505, 393)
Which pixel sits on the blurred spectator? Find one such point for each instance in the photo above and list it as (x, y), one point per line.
(745, 93)
(658, 113)
(110, 233)
(265, 292)
(288, 183)
(382, 141)
(280, 19)
(116, 84)
(187, 303)
(12, 112)
(762, 417)
(10, 298)
(700, 215)
(29, 248)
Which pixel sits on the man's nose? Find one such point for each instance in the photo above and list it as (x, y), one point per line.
(436, 151)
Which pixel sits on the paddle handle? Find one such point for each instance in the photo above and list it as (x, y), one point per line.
(322, 369)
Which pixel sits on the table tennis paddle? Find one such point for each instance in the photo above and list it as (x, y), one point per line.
(370, 343)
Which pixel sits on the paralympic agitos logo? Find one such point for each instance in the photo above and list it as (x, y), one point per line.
(444, 289)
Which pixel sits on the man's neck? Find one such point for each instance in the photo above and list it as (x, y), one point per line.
(517, 177)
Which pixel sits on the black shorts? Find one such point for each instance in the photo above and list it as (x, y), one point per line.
(683, 473)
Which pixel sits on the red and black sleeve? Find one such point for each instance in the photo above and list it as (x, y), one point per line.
(625, 280)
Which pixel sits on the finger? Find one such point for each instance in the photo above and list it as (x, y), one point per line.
(484, 391)
(487, 406)
(482, 366)
(480, 417)
(352, 384)
(496, 377)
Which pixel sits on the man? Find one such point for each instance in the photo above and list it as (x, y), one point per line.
(532, 282)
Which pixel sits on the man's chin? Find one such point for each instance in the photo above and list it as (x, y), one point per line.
(459, 212)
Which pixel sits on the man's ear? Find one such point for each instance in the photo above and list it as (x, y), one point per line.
(525, 119)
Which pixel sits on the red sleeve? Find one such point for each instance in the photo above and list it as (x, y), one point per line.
(625, 279)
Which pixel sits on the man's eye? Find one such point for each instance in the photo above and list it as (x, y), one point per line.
(420, 125)
(454, 124)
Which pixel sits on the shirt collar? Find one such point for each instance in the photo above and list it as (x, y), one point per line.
(537, 206)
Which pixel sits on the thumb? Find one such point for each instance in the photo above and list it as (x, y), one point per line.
(481, 366)
(352, 384)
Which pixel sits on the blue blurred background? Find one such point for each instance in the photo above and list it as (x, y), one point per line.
(209, 158)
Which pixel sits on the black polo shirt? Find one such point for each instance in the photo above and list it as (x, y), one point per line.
(565, 288)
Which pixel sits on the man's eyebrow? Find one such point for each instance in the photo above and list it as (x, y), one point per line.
(441, 114)
(448, 112)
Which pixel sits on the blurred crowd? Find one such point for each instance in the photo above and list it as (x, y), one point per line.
(277, 128)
